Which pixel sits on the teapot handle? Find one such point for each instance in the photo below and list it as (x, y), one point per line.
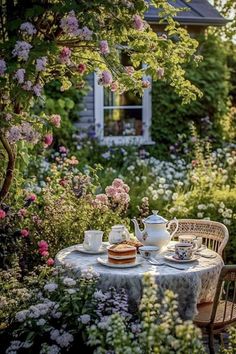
(174, 221)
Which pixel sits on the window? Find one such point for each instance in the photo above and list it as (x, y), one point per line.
(122, 118)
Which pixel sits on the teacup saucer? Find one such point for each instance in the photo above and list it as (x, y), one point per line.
(173, 258)
(80, 248)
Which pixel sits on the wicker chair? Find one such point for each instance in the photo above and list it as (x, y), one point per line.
(214, 234)
(214, 318)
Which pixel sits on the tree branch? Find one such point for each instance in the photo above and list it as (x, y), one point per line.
(10, 168)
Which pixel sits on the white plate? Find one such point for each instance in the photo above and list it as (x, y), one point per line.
(173, 259)
(104, 261)
(80, 248)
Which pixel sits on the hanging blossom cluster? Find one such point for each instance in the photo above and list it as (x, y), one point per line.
(116, 196)
(24, 131)
(70, 26)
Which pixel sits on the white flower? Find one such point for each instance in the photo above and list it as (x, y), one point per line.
(69, 282)
(21, 316)
(227, 222)
(200, 215)
(71, 291)
(50, 287)
(174, 196)
(84, 319)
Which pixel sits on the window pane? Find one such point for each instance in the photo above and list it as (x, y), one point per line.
(123, 122)
(125, 99)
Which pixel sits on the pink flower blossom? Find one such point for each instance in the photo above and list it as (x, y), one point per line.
(48, 139)
(27, 85)
(62, 149)
(37, 89)
(64, 56)
(105, 78)
(28, 28)
(13, 134)
(2, 214)
(69, 24)
(85, 33)
(50, 262)
(56, 120)
(31, 197)
(21, 50)
(22, 213)
(41, 64)
(129, 70)
(126, 188)
(44, 253)
(122, 198)
(118, 183)
(138, 23)
(104, 48)
(20, 76)
(3, 67)
(43, 245)
(81, 68)
(110, 191)
(160, 72)
(24, 233)
(101, 199)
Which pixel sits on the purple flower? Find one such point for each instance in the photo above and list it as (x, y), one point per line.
(28, 133)
(28, 28)
(21, 50)
(105, 78)
(104, 48)
(13, 134)
(69, 24)
(138, 23)
(85, 33)
(37, 89)
(3, 67)
(41, 64)
(20, 76)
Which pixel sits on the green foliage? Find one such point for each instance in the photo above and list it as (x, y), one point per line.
(212, 77)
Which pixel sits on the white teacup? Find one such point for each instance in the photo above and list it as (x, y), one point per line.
(92, 240)
(184, 250)
(192, 239)
(148, 251)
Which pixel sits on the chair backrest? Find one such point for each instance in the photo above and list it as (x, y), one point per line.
(224, 304)
(214, 234)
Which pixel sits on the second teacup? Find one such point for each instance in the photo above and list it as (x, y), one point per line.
(184, 251)
(92, 240)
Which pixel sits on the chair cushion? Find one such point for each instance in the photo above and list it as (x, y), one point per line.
(204, 314)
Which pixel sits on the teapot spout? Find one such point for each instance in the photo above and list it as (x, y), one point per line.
(138, 232)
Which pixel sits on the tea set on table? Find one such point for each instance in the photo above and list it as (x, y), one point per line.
(153, 239)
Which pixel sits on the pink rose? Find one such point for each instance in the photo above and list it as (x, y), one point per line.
(2, 214)
(24, 233)
(43, 245)
(138, 23)
(44, 253)
(56, 120)
(62, 149)
(105, 78)
(48, 139)
(31, 197)
(50, 262)
(81, 68)
(118, 183)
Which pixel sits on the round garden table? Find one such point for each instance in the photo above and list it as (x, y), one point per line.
(195, 284)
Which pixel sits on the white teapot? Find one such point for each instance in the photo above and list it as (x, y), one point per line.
(118, 234)
(155, 232)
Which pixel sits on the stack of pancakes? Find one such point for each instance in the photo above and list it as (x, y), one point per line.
(122, 254)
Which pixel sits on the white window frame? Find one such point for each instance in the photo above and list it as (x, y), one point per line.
(146, 106)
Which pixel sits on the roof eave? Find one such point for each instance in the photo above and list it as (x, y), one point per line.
(193, 21)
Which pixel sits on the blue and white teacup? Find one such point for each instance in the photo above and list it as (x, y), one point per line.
(184, 251)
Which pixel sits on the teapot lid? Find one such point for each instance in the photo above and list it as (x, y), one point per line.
(155, 219)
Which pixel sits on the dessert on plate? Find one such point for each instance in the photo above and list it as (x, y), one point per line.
(122, 254)
(134, 243)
